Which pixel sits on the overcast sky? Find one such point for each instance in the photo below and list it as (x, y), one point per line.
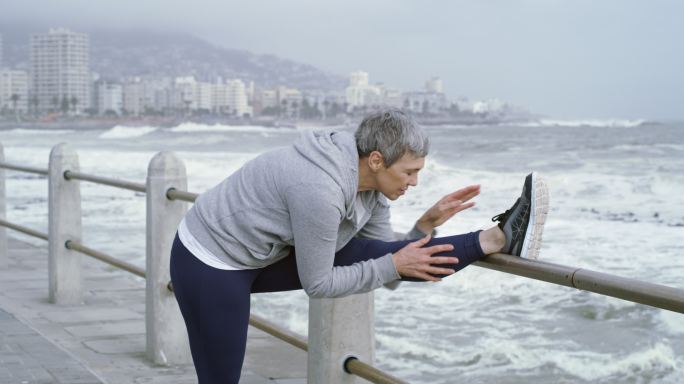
(564, 58)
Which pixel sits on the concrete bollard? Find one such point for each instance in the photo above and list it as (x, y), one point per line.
(4, 257)
(167, 339)
(64, 223)
(338, 329)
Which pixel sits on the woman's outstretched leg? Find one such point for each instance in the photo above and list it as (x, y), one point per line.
(468, 248)
(465, 247)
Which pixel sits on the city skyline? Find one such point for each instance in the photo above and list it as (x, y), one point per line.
(565, 59)
(63, 84)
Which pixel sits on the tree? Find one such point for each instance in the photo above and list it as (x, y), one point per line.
(15, 99)
(326, 105)
(454, 110)
(295, 106)
(74, 102)
(34, 103)
(65, 105)
(334, 109)
(283, 109)
(270, 111)
(426, 107)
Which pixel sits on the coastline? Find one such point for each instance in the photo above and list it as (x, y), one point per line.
(84, 124)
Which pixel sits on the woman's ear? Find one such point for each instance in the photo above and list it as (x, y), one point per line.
(376, 161)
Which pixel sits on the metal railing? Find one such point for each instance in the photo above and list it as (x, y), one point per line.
(623, 288)
(22, 168)
(137, 187)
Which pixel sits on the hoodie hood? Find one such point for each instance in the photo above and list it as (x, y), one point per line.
(336, 154)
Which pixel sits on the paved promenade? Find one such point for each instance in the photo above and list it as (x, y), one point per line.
(103, 340)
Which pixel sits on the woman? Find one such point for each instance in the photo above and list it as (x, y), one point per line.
(314, 215)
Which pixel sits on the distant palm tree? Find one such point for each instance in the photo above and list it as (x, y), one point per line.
(295, 105)
(74, 102)
(34, 104)
(15, 99)
(65, 105)
(283, 109)
(326, 104)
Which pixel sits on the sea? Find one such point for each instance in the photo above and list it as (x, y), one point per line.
(617, 206)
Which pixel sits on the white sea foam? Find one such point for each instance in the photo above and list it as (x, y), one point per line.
(23, 131)
(194, 128)
(125, 132)
(656, 361)
(594, 123)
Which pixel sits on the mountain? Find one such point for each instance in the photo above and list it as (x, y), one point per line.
(121, 53)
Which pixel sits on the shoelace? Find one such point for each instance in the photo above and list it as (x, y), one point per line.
(502, 216)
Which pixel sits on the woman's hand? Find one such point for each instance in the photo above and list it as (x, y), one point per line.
(415, 261)
(447, 207)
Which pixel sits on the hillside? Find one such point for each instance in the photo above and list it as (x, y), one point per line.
(116, 54)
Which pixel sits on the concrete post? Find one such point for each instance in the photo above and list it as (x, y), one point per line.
(4, 257)
(167, 339)
(64, 223)
(338, 329)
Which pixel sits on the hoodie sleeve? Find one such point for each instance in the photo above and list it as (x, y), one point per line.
(315, 216)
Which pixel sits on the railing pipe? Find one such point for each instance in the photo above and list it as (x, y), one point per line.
(167, 340)
(366, 371)
(655, 295)
(281, 333)
(24, 230)
(23, 168)
(64, 223)
(74, 175)
(174, 194)
(105, 258)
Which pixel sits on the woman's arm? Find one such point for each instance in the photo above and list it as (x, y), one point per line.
(315, 215)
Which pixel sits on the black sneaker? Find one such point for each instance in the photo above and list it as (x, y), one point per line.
(523, 224)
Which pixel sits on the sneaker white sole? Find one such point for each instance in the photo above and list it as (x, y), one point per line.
(539, 209)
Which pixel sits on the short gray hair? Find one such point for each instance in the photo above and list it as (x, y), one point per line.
(393, 133)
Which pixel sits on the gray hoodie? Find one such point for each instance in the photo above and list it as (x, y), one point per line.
(304, 196)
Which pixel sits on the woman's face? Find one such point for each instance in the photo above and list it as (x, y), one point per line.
(393, 181)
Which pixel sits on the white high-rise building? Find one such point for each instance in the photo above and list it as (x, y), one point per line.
(358, 78)
(60, 70)
(133, 96)
(359, 92)
(231, 97)
(14, 91)
(434, 85)
(108, 98)
(185, 93)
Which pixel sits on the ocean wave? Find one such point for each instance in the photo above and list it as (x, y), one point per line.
(194, 127)
(594, 123)
(25, 131)
(125, 132)
(655, 362)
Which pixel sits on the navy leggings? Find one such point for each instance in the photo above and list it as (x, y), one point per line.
(215, 302)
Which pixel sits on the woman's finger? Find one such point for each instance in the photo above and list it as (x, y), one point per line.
(427, 276)
(463, 207)
(438, 248)
(466, 190)
(420, 242)
(440, 271)
(443, 260)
